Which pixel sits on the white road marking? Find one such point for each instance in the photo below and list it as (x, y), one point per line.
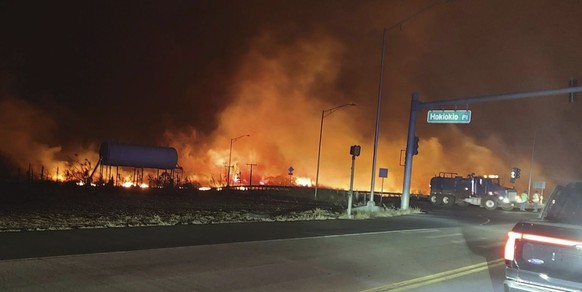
(444, 235)
(487, 220)
(356, 234)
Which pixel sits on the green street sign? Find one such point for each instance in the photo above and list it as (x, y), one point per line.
(449, 116)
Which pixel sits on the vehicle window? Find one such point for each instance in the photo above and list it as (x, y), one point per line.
(565, 205)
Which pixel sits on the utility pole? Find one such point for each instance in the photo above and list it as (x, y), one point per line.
(251, 176)
(533, 148)
(232, 140)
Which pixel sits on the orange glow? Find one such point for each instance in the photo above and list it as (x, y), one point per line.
(128, 184)
(59, 178)
(277, 96)
(273, 101)
(303, 181)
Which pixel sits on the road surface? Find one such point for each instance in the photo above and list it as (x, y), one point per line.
(453, 249)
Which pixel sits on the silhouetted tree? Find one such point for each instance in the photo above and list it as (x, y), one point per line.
(76, 170)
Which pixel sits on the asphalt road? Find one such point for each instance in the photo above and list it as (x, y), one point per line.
(452, 249)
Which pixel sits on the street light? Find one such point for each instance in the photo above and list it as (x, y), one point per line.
(380, 89)
(232, 140)
(324, 113)
(533, 147)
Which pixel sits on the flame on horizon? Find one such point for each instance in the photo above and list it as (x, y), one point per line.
(277, 98)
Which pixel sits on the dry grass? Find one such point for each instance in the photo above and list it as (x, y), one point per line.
(36, 209)
(387, 212)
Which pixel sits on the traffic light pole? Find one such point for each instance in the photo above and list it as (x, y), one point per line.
(405, 199)
(416, 105)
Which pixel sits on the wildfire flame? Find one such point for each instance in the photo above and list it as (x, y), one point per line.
(278, 96)
(303, 181)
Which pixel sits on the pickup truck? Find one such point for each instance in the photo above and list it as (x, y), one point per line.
(545, 254)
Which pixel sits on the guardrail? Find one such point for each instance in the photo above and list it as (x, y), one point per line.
(310, 189)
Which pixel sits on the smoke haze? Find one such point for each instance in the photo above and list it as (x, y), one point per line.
(193, 75)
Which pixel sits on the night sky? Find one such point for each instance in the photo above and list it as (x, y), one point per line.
(194, 74)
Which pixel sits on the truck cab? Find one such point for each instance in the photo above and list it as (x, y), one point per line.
(486, 191)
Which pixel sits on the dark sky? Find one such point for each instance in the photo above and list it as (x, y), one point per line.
(76, 73)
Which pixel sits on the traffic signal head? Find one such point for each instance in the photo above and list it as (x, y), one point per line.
(515, 173)
(415, 146)
(572, 96)
(355, 150)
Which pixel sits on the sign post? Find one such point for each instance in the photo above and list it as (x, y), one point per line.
(383, 174)
(354, 151)
(290, 169)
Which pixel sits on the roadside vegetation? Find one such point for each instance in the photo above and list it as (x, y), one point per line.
(38, 207)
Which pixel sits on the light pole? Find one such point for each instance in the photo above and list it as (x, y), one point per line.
(533, 147)
(324, 113)
(380, 88)
(232, 140)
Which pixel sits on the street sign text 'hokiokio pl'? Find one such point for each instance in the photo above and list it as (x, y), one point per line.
(449, 116)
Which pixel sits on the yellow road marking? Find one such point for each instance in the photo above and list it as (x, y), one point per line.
(438, 277)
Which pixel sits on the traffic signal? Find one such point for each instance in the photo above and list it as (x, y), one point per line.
(415, 146)
(572, 96)
(515, 173)
(355, 150)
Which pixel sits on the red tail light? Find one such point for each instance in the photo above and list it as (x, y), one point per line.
(510, 245)
(514, 236)
(551, 240)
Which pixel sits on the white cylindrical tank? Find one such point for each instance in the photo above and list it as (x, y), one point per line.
(138, 156)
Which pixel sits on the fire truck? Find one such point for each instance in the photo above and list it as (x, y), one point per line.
(448, 189)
